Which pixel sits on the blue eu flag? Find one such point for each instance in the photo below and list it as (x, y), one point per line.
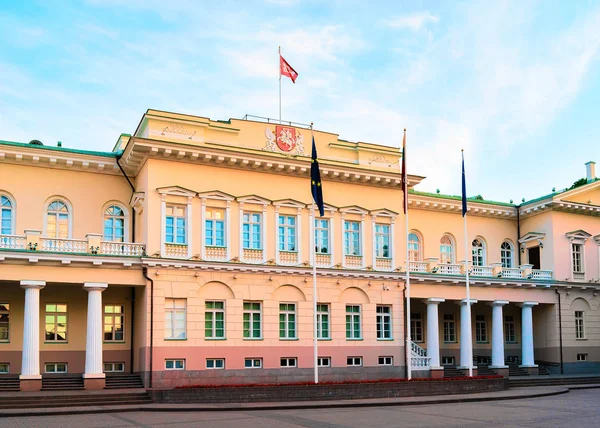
(315, 180)
(464, 187)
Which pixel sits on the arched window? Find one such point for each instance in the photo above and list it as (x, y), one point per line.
(506, 254)
(114, 224)
(57, 220)
(478, 252)
(414, 247)
(6, 216)
(446, 250)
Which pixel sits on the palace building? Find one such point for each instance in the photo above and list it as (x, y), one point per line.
(184, 256)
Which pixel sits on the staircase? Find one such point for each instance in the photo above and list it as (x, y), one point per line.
(515, 370)
(52, 400)
(418, 357)
(543, 371)
(62, 383)
(123, 381)
(9, 383)
(452, 371)
(546, 381)
(484, 370)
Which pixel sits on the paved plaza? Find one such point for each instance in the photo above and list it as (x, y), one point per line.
(578, 408)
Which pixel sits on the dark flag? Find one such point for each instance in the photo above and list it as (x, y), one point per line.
(464, 186)
(404, 174)
(315, 180)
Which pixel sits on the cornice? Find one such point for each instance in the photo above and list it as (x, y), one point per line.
(561, 206)
(63, 259)
(439, 204)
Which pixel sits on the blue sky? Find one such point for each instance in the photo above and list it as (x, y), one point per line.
(514, 83)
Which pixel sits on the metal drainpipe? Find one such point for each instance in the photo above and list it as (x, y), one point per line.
(405, 332)
(145, 272)
(562, 369)
(132, 329)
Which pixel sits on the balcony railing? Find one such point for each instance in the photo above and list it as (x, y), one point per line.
(578, 276)
(541, 274)
(288, 258)
(13, 242)
(121, 249)
(449, 269)
(418, 266)
(323, 260)
(216, 253)
(418, 357)
(482, 271)
(176, 251)
(511, 273)
(63, 245)
(354, 261)
(251, 255)
(382, 263)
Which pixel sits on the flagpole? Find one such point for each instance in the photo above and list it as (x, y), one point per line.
(279, 65)
(470, 339)
(314, 275)
(405, 199)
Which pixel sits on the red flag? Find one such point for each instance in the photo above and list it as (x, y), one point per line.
(286, 70)
(404, 174)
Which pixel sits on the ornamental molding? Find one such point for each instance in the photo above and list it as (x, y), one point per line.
(285, 140)
(562, 206)
(253, 199)
(441, 204)
(176, 191)
(216, 194)
(578, 236)
(290, 203)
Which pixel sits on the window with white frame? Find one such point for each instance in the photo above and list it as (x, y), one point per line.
(582, 357)
(385, 361)
(4, 368)
(577, 255)
(55, 367)
(215, 363)
(114, 321)
(214, 320)
(287, 233)
(354, 361)
(478, 252)
(6, 216)
(57, 220)
(175, 319)
(56, 322)
(288, 362)
(579, 325)
(171, 364)
(114, 367)
(324, 362)
(353, 330)
(252, 231)
(4, 322)
(322, 321)
(253, 363)
(414, 247)
(480, 329)
(214, 227)
(175, 232)
(384, 322)
(449, 328)
(382, 240)
(448, 361)
(506, 254)
(114, 224)
(252, 320)
(322, 236)
(510, 331)
(352, 238)
(287, 321)
(416, 326)
(446, 250)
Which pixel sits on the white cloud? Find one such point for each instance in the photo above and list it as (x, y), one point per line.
(414, 21)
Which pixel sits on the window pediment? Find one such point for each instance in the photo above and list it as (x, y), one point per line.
(354, 209)
(253, 199)
(176, 191)
(597, 239)
(532, 236)
(292, 203)
(216, 194)
(578, 235)
(383, 212)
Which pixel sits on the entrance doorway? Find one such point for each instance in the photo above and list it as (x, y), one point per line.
(533, 256)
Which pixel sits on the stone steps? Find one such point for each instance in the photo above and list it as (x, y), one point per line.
(551, 381)
(47, 401)
(454, 372)
(9, 383)
(123, 381)
(515, 370)
(62, 383)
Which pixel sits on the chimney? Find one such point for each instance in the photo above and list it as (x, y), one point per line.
(590, 169)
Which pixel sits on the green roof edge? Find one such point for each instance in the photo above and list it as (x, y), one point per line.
(459, 198)
(60, 149)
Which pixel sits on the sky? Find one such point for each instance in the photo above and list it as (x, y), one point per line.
(514, 83)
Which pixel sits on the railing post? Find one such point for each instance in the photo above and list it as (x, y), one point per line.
(32, 239)
(93, 243)
(526, 270)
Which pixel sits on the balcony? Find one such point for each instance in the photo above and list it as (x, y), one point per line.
(449, 269)
(482, 271)
(511, 273)
(420, 267)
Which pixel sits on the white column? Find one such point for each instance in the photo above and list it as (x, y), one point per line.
(228, 229)
(190, 232)
(433, 332)
(163, 225)
(203, 229)
(393, 243)
(363, 250)
(374, 241)
(311, 239)
(241, 232)
(466, 335)
(264, 235)
(498, 334)
(527, 359)
(93, 338)
(30, 366)
(343, 237)
(332, 246)
(276, 224)
(299, 235)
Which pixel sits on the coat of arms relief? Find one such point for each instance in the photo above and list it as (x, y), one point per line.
(285, 139)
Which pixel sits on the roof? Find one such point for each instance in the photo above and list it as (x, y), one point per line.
(60, 149)
(459, 198)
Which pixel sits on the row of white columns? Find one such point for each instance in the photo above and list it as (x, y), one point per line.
(30, 367)
(433, 334)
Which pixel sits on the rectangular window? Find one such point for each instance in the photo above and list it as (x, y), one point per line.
(354, 361)
(324, 362)
(322, 236)
(174, 364)
(252, 231)
(4, 322)
(480, 329)
(579, 325)
(416, 326)
(582, 357)
(385, 361)
(448, 361)
(4, 368)
(114, 323)
(214, 227)
(449, 328)
(252, 320)
(253, 363)
(382, 240)
(56, 367)
(175, 232)
(287, 233)
(353, 322)
(114, 367)
(5, 219)
(215, 363)
(352, 238)
(384, 322)
(510, 331)
(175, 318)
(214, 320)
(577, 260)
(322, 321)
(57, 225)
(287, 320)
(56, 322)
(288, 362)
